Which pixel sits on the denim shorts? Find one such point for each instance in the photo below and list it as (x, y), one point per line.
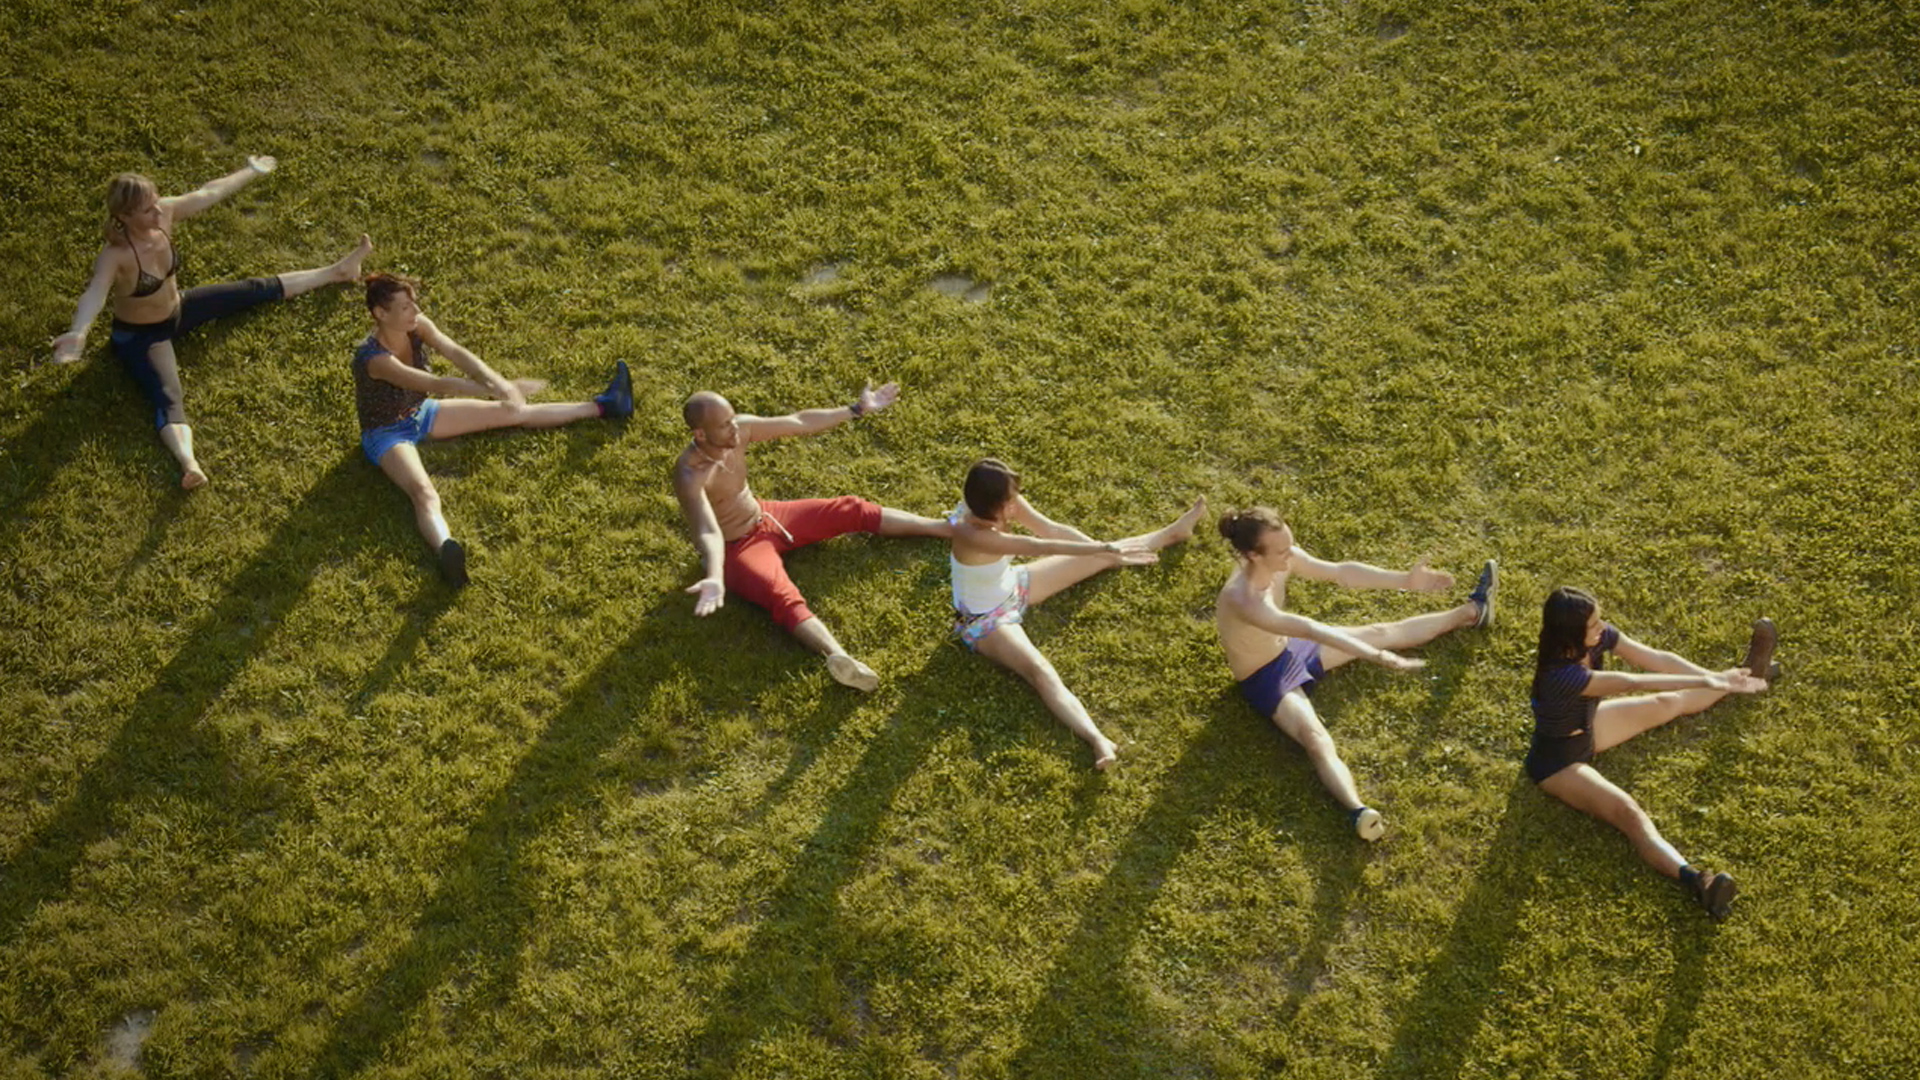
(411, 428)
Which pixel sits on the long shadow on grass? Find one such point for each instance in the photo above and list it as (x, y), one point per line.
(1088, 1021)
(30, 460)
(162, 747)
(779, 980)
(477, 920)
(1438, 1024)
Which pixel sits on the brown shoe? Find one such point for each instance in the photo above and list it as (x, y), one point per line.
(1759, 662)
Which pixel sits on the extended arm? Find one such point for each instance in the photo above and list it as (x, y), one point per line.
(1656, 660)
(711, 589)
(814, 421)
(993, 542)
(1359, 575)
(67, 346)
(185, 206)
(484, 380)
(1609, 683)
(1023, 512)
(1260, 612)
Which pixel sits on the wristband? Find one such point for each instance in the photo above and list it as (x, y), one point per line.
(856, 409)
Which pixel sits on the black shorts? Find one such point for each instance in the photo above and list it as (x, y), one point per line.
(1551, 753)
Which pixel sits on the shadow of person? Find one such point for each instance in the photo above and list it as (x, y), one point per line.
(162, 747)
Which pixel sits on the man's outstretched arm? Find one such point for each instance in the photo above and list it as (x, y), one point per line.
(711, 589)
(814, 421)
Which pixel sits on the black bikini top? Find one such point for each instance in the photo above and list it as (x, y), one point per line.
(146, 284)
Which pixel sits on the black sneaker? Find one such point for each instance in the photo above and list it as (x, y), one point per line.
(1759, 662)
(617, 398)
(1482, 594)
(1715, 893)
(453, 563)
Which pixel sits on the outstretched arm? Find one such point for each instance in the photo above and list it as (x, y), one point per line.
(711, 589)
(1610, 683)
(185, 206)
(485, 380)
(1657, 660)
(1261, 612)
(814, 421)
(994, 542)
(1023, 512)
(67, 346)
(1358, 575)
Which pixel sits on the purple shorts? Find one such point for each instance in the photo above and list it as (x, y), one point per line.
(1296, 668)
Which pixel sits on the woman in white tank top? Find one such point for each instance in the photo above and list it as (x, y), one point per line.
(991, 594)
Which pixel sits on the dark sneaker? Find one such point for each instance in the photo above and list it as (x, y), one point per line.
(617, 398)
(1759, 662)
(453, 563)
(1715, 893)
(1482, 594)
(1368, 823)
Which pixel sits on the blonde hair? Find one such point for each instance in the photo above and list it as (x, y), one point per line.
(128, 192)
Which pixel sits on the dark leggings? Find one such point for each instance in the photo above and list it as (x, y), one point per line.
(132, 342)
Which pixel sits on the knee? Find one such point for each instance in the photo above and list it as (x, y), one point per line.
(1317, 743)
(1625, 814)
(422, 494)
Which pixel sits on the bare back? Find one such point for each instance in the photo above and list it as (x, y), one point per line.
(724, 480)
(1248, 647)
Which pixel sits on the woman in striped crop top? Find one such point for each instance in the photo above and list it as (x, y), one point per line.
(1580, 709)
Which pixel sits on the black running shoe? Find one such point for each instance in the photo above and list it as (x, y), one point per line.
(453, 563)
(617, 398)
(1482, 594)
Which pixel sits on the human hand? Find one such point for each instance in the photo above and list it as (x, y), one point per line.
(1424, 578)
(1737, 681)
(872, 401)
(1395, 662)
(66, 347)
(1132, 553)
(262, 164)
(530, 387)
(509, 392)
(712, 594)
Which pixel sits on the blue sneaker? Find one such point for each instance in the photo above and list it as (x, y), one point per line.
(1482, 594)
(617, 398)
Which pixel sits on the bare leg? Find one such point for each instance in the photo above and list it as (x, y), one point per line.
(1620, 719)
(178, 438)
(1297, 719)
(1010, 647)
(1405, 633)
(900, 523)
(845, 669)
(1582, 787)
(402, 466)
(1047, 576)
(343, 270)
(463, 416)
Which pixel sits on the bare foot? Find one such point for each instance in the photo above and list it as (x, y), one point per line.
(348, 268)
(1182, 529)
(1105, 753)
(850, 672)
(192, 478)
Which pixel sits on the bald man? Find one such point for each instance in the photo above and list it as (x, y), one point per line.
(741, 539)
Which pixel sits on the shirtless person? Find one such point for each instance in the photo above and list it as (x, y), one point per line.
(741, 539)
(1274, 672)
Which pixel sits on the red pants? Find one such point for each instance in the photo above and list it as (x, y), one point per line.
(753, 567)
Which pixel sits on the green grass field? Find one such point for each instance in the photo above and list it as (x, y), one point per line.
(1621, 294)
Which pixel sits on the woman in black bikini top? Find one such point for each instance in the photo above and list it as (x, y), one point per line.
(150, 311)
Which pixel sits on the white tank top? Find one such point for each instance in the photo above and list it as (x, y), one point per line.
(979, 589)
